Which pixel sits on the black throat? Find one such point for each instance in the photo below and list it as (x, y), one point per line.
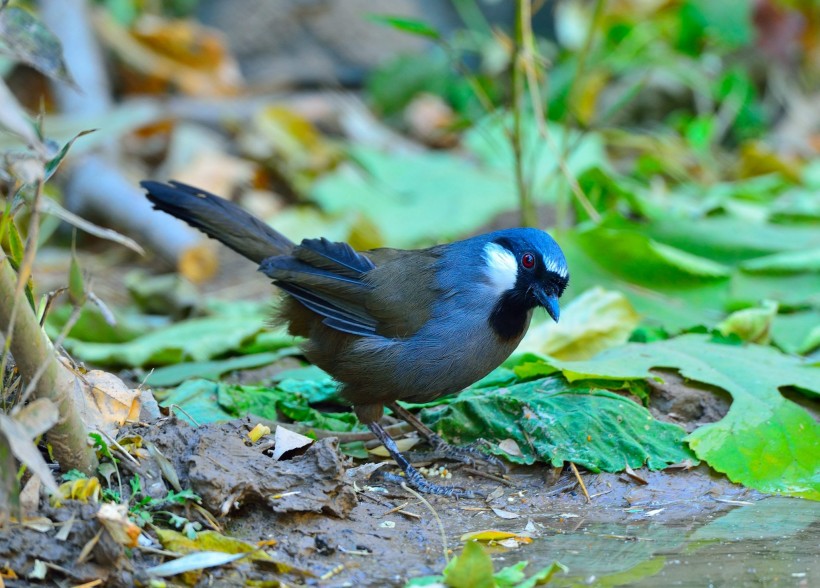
(509, 316)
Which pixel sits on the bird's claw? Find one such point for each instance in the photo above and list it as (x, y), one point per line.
(469, 454)
(418, 482)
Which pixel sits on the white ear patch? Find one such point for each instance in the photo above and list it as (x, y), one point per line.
(551, 266)
(502, 267)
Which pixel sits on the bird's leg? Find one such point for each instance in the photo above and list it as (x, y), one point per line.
(468, 454)
(413, 477)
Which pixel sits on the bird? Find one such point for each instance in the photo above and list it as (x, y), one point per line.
(391, 324)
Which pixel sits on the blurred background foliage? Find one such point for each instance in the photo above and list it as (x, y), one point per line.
(672, 147)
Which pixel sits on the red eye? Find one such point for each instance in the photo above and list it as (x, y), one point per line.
(528, 260)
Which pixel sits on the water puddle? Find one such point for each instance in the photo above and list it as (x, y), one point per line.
(773, 542)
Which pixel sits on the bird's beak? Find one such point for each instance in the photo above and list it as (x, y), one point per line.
(550, 303)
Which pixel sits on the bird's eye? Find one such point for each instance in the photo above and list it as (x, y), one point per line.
(528, 260)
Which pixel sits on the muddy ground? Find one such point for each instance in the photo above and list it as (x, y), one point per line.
(334, 530)
(325, 527)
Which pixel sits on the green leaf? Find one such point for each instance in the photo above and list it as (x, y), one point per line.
(472, 569)
(765, 441)
(172, 375)
(54, 162)
(596, 320)
(790, 262)
(205, 401)
(197, 339)
(676, 291)
(93, 326)
(393, 85)
(751, 324)
(543, 576)
(510, 575)
(198, 400)
(557, 422)
(727, 239)
(812, 340)
(406, 25)
(26, 38)
(489, 141)
(416, 198)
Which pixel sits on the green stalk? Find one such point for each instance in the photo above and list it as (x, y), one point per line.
(525, 202)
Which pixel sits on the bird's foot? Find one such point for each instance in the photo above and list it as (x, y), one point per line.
(470, 454)
(415, 480)
(412, 476)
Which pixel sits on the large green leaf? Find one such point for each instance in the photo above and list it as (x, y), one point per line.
(490, 141)
(205, 401)
(555, 422)
(725, 239)
(765, 441)
(665, 285)
(416, 198)
(171, 375)
(596, 320)
(191, 340)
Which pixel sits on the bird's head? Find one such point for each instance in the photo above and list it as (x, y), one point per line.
(526, 268)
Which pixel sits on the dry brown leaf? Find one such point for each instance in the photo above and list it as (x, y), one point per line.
(105, 402)
(505, 514)
(510, 447)
(286, 440)
(159, 52)
(403, 444)
(114, 517)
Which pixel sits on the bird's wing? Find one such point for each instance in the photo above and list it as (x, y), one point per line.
(378, 293)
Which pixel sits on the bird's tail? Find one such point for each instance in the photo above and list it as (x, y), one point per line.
(219, 219)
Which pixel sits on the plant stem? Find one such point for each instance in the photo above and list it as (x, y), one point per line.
(525, 202)
(34, 353)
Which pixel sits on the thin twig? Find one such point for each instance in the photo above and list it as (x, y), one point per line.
(489, 476)
(529, 65)
(580, 481)
(429, 506)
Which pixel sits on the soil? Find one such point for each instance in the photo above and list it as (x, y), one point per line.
(347, 530)
(324, 522)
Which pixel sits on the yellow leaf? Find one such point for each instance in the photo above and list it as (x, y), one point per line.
(258, 432)
(494, 535)
(114, 517)
(595, 321)
(208, 541)
(403, 445)
(84, 490)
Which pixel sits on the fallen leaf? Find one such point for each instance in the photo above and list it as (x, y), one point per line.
(403, 444)
(497, 493)
(161, 52)
(494, 535)
(258, 432)
(505, 514)
(107, 402)
(634, 475)
(194, 561)
(84, 490)
(19, 442)
(365, 470)
(286, 440)
(39, 524)
(114, 517)
(510, 447)
(30, 497)
(596, 320)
